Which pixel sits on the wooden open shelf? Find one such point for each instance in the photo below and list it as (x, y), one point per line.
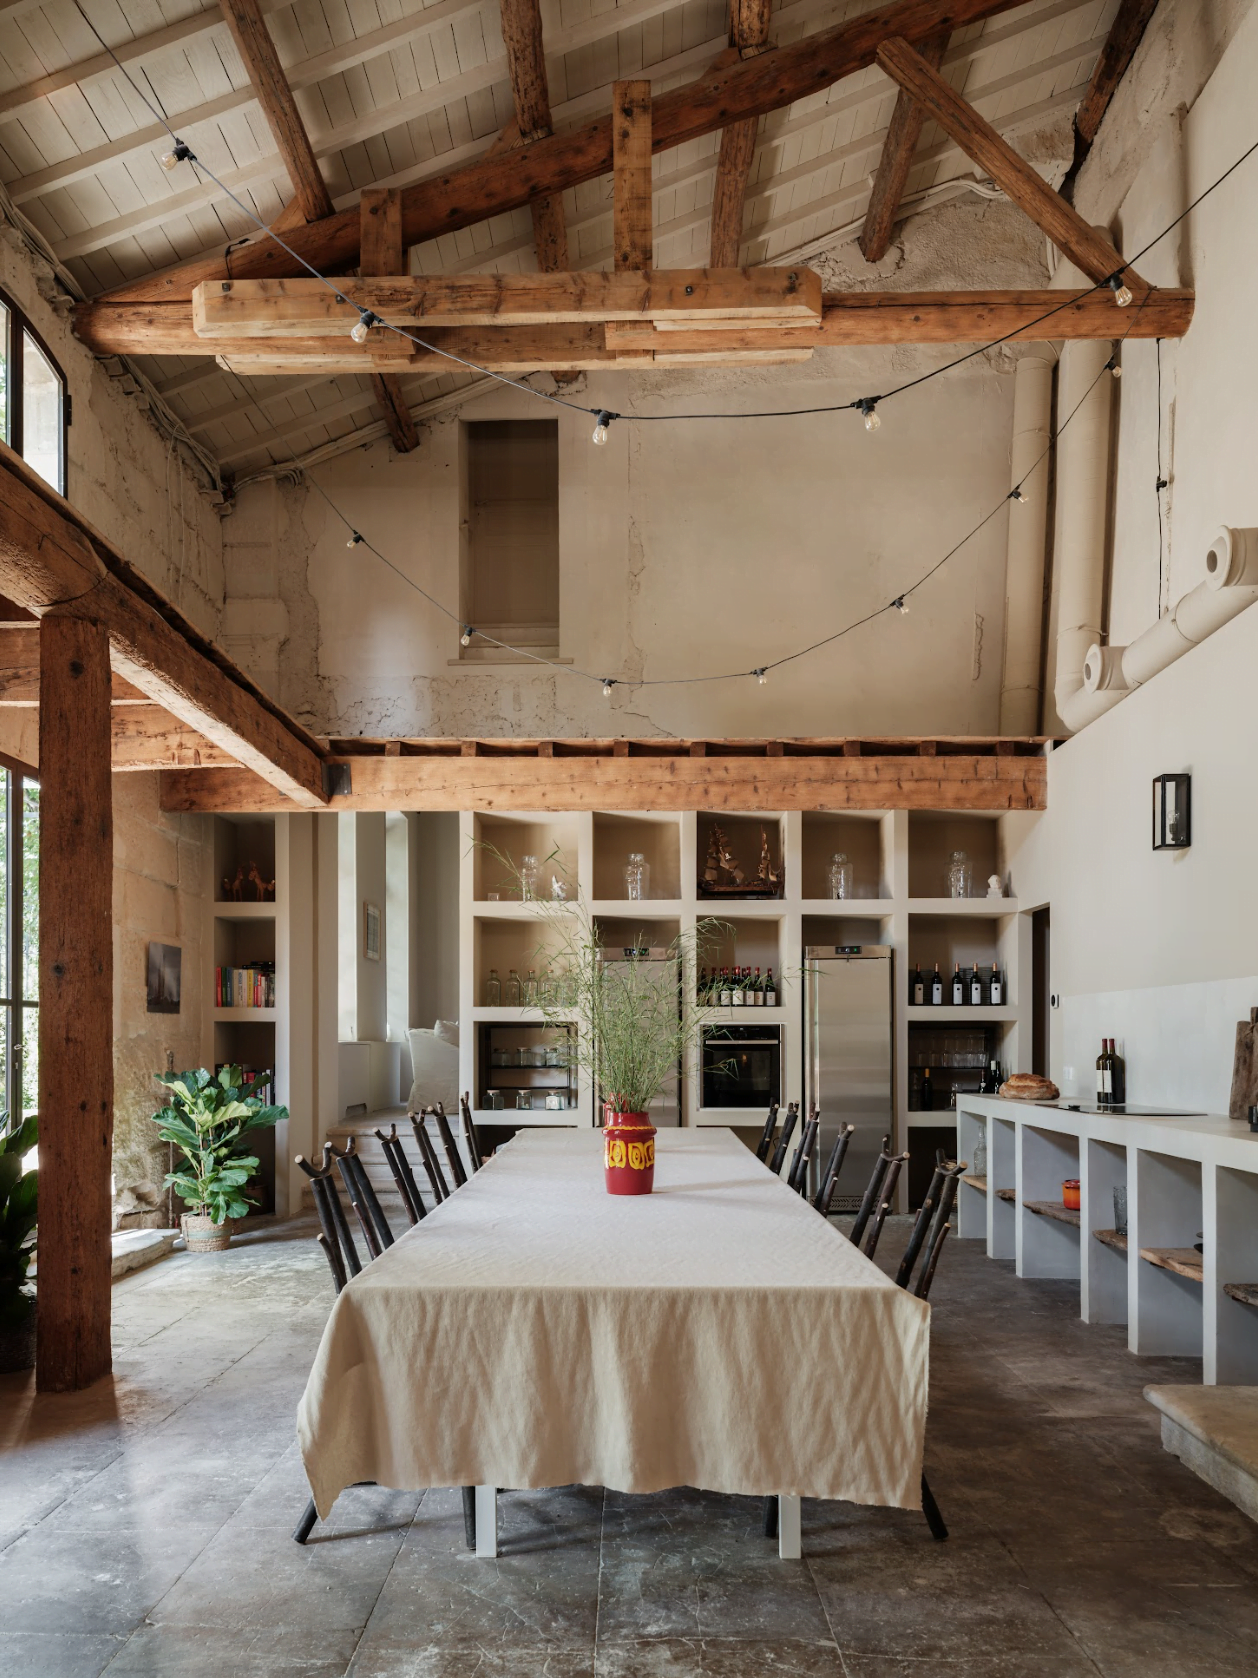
(979, 1183)
(1053, 1209)
(1244, 1292)
(1007, 1194)
(1112, 1238)
(1184, 1261)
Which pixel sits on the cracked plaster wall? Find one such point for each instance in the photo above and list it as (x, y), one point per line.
(693, 547)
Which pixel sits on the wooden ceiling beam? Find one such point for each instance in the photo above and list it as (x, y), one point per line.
(633, 245)
(51, 557)
(509, 781)
(383, 252)
(266, 73)
(749, 35)
(509, 180)
(19, 670)
(896, 160)
(849, 318)
(148, 737)
(1126, 33)
(1077, 240)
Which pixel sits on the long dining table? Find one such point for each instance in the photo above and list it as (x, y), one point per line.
(533, 1330)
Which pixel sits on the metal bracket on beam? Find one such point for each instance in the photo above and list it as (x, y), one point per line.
(337, 780)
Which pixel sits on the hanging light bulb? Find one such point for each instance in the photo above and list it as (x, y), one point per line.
(179, 153)
(603, 425)
(354, 539)
(1122, 294)
(363, 325)
(1114, 367)
(761, 676)
(901, 605)
(868, 406)
(465, 640)
(608, 685)
(1015, 494)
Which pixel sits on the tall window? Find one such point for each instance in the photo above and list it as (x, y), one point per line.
(34, 408)
(19, 948)
(510, 569)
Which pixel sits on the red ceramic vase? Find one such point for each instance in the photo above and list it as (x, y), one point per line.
(628, 1151)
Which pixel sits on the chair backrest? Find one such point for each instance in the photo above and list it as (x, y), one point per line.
(886, 1197)
(334, 1234)
(403, 1176)
(930, 1229)
(870, 1199)
(766, 1135)
(830, 1176)
(788, 1127)
(449, 1144)
(428, 1155)
(798, 1179)
(469, 1132)
(362, 1197)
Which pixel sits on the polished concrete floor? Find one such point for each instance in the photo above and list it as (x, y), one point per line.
(144, 1525)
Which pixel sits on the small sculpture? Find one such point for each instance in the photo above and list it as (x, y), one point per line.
(723, 874)
(264, 888)
(235, 889)
(993, 886)
(721, 865)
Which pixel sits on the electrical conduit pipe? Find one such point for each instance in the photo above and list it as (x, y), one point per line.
(1024, 554)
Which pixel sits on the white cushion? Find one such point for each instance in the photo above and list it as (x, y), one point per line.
(435, 1069)
(447, 1031)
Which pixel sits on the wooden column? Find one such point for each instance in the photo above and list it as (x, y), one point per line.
(749, 33)
(76, 1003)
(631, 174)
(382, 252)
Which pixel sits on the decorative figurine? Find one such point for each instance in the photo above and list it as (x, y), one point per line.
(993, 886)
(264, 888)
(723, 875)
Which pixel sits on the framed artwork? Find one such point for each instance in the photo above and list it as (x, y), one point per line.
(371, 931)
(165, 971)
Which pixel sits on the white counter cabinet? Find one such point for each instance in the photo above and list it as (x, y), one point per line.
(1187, 1180)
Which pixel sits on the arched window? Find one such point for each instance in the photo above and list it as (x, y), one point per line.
(34, 407)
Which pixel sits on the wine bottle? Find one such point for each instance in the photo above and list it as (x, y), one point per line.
(757, 990)
(993, 1077)
(726, 993)
(1118, 1076)
(770, 991)
(738, 994)
(958, 987)
(917, 987)
(976, 988)
(936, 987)
(928, 1094)
(1103, 1087)
(996, 988)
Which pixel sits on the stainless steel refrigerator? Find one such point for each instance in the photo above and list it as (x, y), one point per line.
(848, 1056)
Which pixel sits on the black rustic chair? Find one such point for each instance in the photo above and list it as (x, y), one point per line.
(766, 1135)
(428, 1156)
(342, 1256)
(470, 1138)
(784, 1138)
(885, 1197)
(873, 1196)
(798, 1178)
(449, 1144)
(403, 1176)
(830, 1176)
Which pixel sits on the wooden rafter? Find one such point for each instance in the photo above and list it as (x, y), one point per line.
(847, 318)
(1089, 250)
(526, 68)
(508, 180)
(749, 35)
(896, 160)
(51, 557)
(1126, 33)
(655, 775)
(632, 237)
(384, 253)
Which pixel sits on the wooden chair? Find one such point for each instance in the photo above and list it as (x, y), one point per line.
(798, 1178)
(470, 1137)
(886, 1195)
(872, 1197)
(449, 1144)
(428, 1157)
(788, 1127)
(342, 1256)
(766, 1135)
(362, 1197)
(403, 1176)
(830, 1176)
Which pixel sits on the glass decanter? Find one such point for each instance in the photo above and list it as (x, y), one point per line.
(959, 874)
(530, 876)
(839, 876)
(637, 877)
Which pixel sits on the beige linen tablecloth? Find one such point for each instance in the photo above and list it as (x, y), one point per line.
(534, 1330)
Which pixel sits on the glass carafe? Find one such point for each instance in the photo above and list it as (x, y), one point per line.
(493, 989)
(839, 876)
(511, 996)
(637, 877)
(959, 874)
(530, 989)
(530, 876)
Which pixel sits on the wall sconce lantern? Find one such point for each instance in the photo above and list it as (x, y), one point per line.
(1172, 812)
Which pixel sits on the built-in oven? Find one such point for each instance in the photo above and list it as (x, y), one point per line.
(741, 1066)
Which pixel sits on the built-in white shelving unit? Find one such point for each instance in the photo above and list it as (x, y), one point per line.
(900, 863)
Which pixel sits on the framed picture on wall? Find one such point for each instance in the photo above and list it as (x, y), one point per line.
(165, 970)
(371, 931)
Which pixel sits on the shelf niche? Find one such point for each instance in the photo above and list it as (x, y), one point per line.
(239, 842)
(659, 841)
(860, 840)
(933, 836)
(971, 940)
(742, 834)
(829, 931)
(551, 839)
(504, 943)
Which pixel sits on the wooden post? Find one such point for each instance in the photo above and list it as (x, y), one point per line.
(382, 252)
(631, 175)
(76, 1003)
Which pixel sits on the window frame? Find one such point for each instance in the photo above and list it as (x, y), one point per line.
(13, 349)
(14, 1001)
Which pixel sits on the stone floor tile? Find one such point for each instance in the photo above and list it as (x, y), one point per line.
(56, 1654)
(284, 1650)
(719, 1657)
(384, 1657)
(1012, 1663)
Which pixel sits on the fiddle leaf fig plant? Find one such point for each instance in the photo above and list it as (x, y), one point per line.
(19, 1194)
(206, 1120)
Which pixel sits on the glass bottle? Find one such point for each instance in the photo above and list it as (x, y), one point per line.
(770, 991)
(511, 996)
(726, 994)
(959, 874)
(978, 1165)
(493, 989)
(839, 876)
(530, 989)
(637, 877)
(530, 876)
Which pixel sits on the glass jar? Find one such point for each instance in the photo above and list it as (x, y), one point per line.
(839, 876)
(637, 877)
(493, 989)
(493, 1101)
(978, 1165)
(959, 874)
(500, 1057)
(511, 994)
(523, 1101)
(530, 876)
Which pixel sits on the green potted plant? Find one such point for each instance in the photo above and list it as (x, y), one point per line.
(19, 1192)
(206, 1119)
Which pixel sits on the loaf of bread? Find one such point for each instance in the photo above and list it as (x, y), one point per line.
(1029, 1086)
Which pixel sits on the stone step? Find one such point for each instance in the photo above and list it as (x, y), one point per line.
(1214, 1431)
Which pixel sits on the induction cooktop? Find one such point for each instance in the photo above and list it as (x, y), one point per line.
(1130, 1111)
